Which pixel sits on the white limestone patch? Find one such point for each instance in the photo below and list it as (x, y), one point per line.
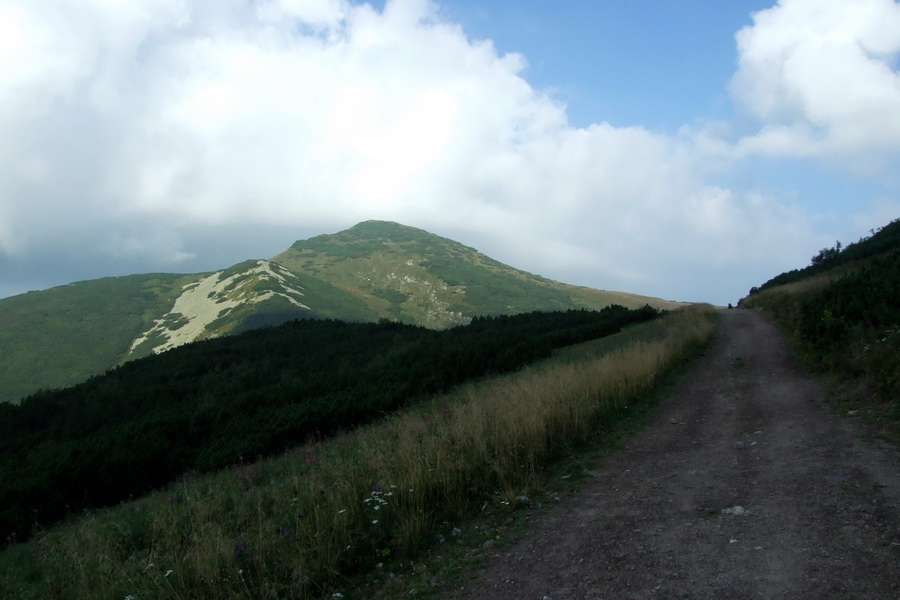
(429, 297)
(213, 297)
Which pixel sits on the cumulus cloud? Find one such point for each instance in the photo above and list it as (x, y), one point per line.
(821, 78)
(135, 131)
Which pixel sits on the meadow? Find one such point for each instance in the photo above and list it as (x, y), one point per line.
(310, 522)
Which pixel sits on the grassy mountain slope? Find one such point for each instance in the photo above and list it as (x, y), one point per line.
(375, 270)
(843, 314)
(63, 335)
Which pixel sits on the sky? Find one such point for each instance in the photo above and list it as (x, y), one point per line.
(687, 149)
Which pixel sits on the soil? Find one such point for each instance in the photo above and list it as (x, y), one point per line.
(744, 486)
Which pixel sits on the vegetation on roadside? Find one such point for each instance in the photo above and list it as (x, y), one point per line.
(205, 405)
(843, 315)
(305, 523)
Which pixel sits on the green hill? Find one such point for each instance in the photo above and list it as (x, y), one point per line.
(375, 270)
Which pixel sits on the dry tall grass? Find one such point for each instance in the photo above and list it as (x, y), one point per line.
(295, 526)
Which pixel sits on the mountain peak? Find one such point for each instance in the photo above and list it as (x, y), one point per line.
(372, 230)
(376, 227)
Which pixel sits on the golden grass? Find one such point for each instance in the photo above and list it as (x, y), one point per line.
(296, 526)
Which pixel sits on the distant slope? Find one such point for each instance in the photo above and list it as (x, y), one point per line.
(375, 270)
(63, 335)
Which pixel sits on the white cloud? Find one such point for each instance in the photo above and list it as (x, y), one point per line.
(323, 15)
(132, 128)
(821, 78)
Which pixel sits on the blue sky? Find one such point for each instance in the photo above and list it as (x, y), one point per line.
(686, 149)
(654, 64)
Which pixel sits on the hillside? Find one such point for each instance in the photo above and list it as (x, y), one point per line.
(842, 314)
(375, 270)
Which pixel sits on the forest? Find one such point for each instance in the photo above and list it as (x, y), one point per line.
(227, 400)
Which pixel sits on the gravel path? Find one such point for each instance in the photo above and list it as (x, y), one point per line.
(744, 487)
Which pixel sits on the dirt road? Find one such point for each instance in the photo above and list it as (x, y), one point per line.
(744, 487)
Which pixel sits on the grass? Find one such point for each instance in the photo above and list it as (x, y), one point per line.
(319, 521)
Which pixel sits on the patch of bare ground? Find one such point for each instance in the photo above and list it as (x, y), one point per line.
(744, 487)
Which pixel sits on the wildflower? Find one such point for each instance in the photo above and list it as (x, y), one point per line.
(374, 521)
(169, 572)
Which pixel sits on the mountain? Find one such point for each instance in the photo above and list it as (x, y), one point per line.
(413, 276)
(374, 270)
